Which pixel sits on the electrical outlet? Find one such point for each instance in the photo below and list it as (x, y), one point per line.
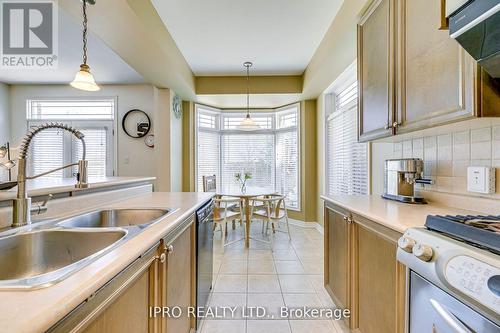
(481, 179)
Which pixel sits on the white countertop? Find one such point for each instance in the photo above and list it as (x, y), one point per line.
(46, 185)
(38, 310)
(392, 214)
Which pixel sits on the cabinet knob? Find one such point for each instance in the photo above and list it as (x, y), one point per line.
(163, 257)
(423, 252)
(406, 244)
(170, 248)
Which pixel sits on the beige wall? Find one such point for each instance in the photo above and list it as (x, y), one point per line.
(336, 51)
(258, 84)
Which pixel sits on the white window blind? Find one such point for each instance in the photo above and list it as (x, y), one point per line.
(347, 160)
(208, 156)
(96, 147)
(47, 150)
(54, 148)
(248, 153)
(232, 121)
(287, 169)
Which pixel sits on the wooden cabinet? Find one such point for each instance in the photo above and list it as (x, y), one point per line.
(435, 74)
(412, 75)
(376, 34)
(368, 279)
(336, 273)
(164, 276)
(177, 284)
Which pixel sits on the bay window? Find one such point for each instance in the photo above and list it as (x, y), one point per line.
(271, 153)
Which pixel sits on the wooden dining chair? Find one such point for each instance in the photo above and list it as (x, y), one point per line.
(209, 183)
(223, 215)
(272, 210)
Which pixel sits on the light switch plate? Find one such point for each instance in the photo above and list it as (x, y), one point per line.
(481, 179)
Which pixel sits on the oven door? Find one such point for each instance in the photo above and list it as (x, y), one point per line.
(434, 311)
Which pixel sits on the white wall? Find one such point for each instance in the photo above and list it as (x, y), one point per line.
(133, 158)
(4, 121)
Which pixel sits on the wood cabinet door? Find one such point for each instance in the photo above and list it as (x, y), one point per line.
(435, 75)
(376, 36)
(337, 257)
(177, 280)
(381, 284)
(130, 311)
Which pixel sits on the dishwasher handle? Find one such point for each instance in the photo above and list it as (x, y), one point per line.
(449, 318)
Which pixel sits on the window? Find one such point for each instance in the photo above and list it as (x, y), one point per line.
(271, 154)
(54, 148)
(347, 160)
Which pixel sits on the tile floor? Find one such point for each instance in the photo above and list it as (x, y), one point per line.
(291, 276)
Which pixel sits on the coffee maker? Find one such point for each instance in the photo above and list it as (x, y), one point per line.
(400, 178)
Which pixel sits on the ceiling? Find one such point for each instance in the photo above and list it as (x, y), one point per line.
(278, 36)
(107, 66)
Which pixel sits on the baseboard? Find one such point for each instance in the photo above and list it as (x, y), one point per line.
(307, 225)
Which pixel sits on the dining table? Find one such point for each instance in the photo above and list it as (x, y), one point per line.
(245, 195)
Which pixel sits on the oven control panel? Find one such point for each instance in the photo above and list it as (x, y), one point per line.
(474, 278)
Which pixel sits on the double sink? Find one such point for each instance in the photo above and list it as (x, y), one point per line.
(47, 253)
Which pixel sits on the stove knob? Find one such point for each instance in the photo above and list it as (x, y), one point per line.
(406, 243)
(423, 252)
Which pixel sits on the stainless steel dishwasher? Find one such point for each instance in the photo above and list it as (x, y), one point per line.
(204, 254)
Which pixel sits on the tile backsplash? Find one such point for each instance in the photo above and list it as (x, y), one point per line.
(447, 151)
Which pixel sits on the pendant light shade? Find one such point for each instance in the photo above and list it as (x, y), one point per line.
(248, 124)
(84, 80)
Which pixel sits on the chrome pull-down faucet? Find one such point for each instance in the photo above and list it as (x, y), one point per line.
(22, 204)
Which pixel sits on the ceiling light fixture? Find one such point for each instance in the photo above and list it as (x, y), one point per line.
(248, 124)
(84, 80)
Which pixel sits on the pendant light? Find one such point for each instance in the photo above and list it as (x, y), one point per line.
(84, 80)
(248, 124)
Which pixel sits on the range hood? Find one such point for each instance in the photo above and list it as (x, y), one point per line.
(476, 26)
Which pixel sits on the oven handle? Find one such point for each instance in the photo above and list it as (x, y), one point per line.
(449, 318)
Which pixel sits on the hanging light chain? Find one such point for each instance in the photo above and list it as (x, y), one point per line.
(248, 90)
(84, 32)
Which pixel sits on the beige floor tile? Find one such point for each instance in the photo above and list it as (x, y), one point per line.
(233, 267)
(312, 326)
(285, 255)
(231, 283)
(263, 284)
(234, 300)
(268, 326)
(235, 254)
(300, 300)
(313, 266)
(295, 284)
(289, 267)
(261, 267)
(272, 302)
(260, 255)
(223, 326)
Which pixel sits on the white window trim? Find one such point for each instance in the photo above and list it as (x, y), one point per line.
(114, 128)
(346, 78)
(238, 112)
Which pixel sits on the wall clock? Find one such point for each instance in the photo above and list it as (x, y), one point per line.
(136, 123)
(150, 140)
(177, 106)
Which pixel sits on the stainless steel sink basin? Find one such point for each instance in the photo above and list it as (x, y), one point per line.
(108, 218)
(42, 257)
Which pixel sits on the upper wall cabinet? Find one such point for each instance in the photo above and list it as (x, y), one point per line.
(412, 75)
(435, 74)
(376, 36)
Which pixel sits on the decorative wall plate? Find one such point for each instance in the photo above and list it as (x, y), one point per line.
(177, 106)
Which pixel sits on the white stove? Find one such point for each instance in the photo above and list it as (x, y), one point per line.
(453, 285)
